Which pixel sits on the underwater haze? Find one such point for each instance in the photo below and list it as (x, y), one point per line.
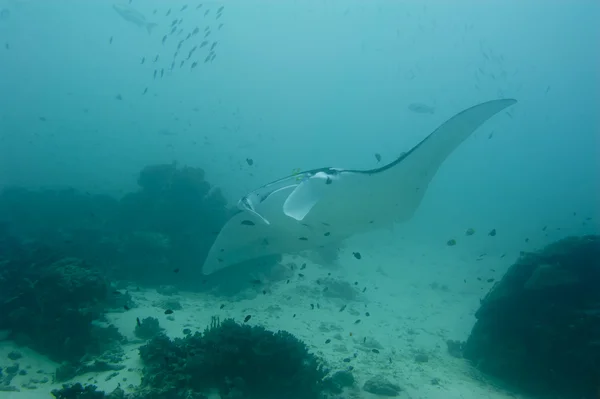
(130, 130)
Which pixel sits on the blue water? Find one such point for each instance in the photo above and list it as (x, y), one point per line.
(89, 98)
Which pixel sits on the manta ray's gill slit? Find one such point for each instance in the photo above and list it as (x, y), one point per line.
(248, 223)
(327, 234)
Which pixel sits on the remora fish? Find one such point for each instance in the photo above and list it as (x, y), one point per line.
(131, 15)
(320, 207)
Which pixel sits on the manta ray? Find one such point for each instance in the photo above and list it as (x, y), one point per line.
(324, 206)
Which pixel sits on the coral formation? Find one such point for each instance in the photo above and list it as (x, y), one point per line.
(539, 327)
(147, 328)
(152, 236)
(235, 359)
(49, 302)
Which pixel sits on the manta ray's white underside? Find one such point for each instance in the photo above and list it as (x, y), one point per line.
(320, 207)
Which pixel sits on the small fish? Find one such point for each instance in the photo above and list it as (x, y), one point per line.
(176, 270)
(378, 157)
(492, 233)
(212, 47)
(7, 46)
(125, 307)
(343, 308)
(119, 97)
(143, 60)
(451, 242)
(357, 255)
(139, 323)
(249, 161)
(207, 34)
(220, 26)
(168, 311)
(206, 12)
(110, 40)
(168, 13)
(327, 341)
(374, 350)
(156, 58)
(194, 64)
(247, 318)
(470, 232)
(155, 72)
(174, 22)
(357, 321)
(183, 8)
(145, 91)
(43, 119)
(221, 307)
(220, 10)
(195, 31)
(164, 39)
(490, 280)
(199, 6)
(204, 43)
(162, 72)
(188, 36)
(218, 16)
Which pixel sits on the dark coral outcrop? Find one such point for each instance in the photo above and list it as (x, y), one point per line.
(237, 360)
(538, 329)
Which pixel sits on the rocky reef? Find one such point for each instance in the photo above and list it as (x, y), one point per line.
(159, 234)
(237, 360)
(538, 329)
(50, 302)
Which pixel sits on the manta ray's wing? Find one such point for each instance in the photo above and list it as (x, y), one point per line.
(324, 206)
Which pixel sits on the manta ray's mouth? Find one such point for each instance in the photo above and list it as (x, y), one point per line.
(327, 205)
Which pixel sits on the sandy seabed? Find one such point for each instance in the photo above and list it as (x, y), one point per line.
(410, 307)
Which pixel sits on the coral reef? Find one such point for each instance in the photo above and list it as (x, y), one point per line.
(538, 329)
(49, 302)
(147, 328)
(152, 236)
(78, 391)
(237, 360)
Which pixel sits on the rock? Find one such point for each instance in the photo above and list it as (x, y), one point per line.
(14, 355)
(421, 358)
(538, 328)
(455, 348)
(167, 290)
(379, 385)
(339, 380)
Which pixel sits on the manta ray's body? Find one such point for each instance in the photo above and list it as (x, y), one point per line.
(320, 207)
